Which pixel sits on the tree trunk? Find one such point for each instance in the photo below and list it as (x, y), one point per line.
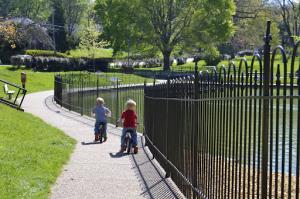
(167, 55)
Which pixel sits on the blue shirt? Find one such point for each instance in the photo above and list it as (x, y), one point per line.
(101, 113)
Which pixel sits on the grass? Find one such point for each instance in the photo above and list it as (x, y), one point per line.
(36, 81)
(32, 154)
(41, 81)
(78, 53)
(202, 66)
(99, 53)
(124, 78)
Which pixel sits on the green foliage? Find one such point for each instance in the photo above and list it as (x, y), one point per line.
(162, 24)
(59, 22)
(37, 10)
(90, 40)
(211, 24)
(212, 57)
(32, 154)
(74, 11)
(253, 37)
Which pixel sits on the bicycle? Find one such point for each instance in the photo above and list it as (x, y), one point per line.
(128, 140)
(101, 132)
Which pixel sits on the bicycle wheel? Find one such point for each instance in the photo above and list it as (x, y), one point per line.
(101, 134)
(128, 143)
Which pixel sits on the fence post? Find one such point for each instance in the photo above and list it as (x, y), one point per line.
(195, 139)
(69, 93)
(168, 173)
(266, 109)
(145, 85)
(81, 94)
(117, 101)
(97, 85)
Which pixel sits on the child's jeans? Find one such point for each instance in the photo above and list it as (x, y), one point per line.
(97, 128)
(134, 136)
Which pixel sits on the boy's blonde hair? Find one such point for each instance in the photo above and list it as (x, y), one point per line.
(130, 103)
(100, 101)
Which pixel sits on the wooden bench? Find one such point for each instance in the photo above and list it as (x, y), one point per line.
(8, 92)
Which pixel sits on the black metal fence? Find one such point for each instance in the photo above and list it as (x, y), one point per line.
(78, 92)
(232, 133)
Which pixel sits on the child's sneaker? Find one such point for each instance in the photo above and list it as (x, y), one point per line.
(136, 150)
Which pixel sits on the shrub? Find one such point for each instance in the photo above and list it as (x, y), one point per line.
(19, 60)
(181, 61)
(45, 53)
(212, 57)
(153, 63)
(56, 64)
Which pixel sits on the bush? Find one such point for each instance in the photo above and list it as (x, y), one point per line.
(45, 53)
(153, 63)
(181, 61)
(212, 57)
(56, 64)
(19, 60)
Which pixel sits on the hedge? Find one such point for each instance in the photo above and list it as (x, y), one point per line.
(45, 53)
(57, 64)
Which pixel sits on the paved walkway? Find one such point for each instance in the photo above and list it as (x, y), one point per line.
(97, 170)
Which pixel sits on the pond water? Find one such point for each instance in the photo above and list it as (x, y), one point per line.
(284, 124)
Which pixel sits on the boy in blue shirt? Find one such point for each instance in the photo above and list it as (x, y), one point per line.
(101, 113)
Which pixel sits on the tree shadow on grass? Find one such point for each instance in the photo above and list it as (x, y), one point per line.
(16, 68)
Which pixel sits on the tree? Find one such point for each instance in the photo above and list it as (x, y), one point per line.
(249, 9)
(58, 30)
(37, 10)
(8, 40)
(8, 34)
(251, 31)
(73, 12)
(90, 39)
(5, 8)
(290, 13)
(158, 23)
(207, 31)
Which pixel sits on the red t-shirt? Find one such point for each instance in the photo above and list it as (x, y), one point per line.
(130, 118)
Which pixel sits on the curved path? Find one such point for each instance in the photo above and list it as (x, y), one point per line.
(97, 170)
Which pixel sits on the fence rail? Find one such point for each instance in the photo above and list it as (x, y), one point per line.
(78, 92)
(230, 133)
(227, 133)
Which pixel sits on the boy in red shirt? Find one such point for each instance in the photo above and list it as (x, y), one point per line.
(129, 119)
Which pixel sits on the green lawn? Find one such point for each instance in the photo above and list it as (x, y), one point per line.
(106, 79)
(36, 81)
(41, 81)
(202, 65)
(99, 53)
(32, 155)
(78, 53)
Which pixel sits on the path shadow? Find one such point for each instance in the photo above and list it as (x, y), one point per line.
(117, 155)
(152, 177)
(90, 143)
